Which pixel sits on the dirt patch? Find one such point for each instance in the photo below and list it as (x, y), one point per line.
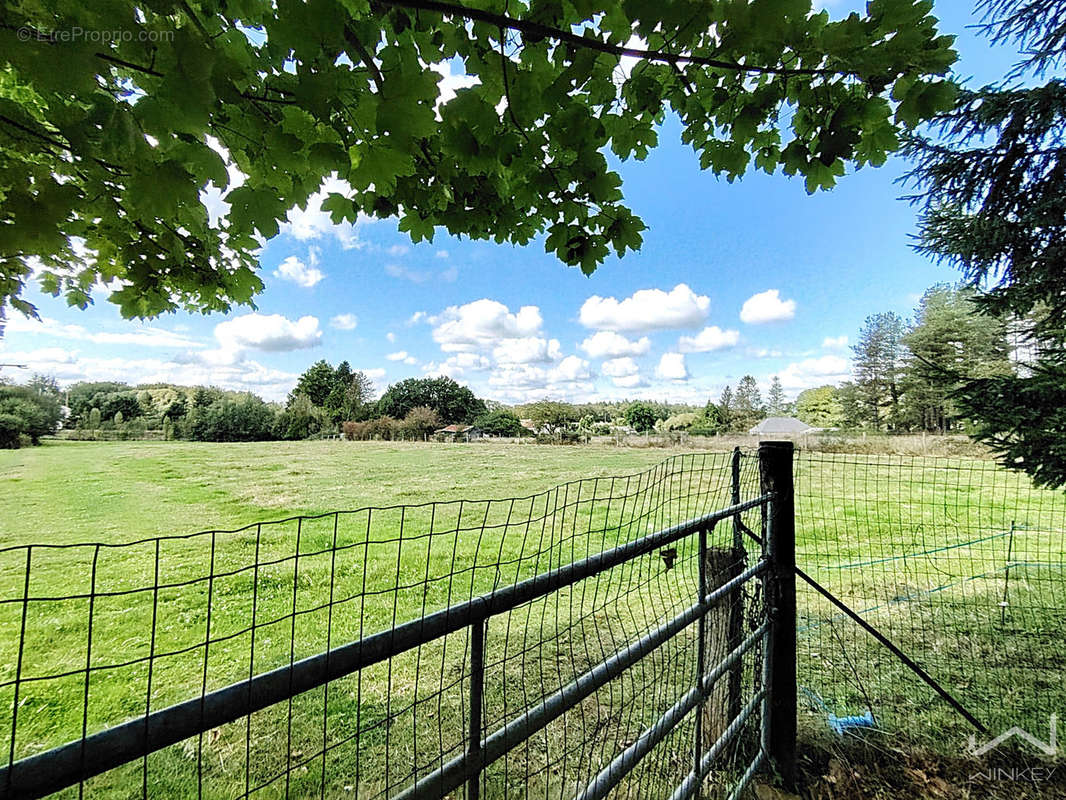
(843, 771)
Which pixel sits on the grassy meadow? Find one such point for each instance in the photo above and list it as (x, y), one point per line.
(958, 561)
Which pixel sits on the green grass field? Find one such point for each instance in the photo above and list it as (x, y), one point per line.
(924, 547)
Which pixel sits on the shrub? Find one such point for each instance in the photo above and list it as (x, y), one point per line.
(10, 427)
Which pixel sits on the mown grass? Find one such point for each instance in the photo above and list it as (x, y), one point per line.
(857, 516)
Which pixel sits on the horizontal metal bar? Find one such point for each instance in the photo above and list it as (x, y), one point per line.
(622, 764)
(450, 776)
(692, 781)
(749, 773)
(55, 769)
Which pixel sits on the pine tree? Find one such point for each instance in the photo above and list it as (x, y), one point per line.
(878, 358)
(992, 188)
(775, 398)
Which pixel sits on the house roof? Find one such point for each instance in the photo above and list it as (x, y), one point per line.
(781, 425)
(455, 429)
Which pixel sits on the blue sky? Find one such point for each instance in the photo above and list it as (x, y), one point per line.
(751, 277)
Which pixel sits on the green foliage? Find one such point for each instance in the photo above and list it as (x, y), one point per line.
(104, 162)
(10, 431)
(640, 416)
(747, 409)
(420, 422)
(948, 344)
(776, 404)
(500, 422)
(452, 401)
(820, 407)
(300, 419)
(552, 417)
(242, 419)
(316, 384)
(879, 363)
(679, 422)
(37, 414)
(94, 418)
(991, 183)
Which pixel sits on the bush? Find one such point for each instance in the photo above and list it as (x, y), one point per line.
(246, 419)
(500, 423)
(10, 427)
(38, 414)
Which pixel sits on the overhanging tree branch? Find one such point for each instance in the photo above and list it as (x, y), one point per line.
(547, 32)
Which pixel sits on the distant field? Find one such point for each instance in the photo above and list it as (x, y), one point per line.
(927, 548)
(120, 491)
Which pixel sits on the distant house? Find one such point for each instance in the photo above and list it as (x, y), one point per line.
(459, 432)
(529, 425)
(781, 426)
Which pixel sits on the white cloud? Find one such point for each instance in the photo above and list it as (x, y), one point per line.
(709, 339)
(571, 368)
(764, 352)
(527, 350)
(398, 250)
(835, 342)
(417, 317)
(442, 254)
(135, 334)
(390, 337)
(815, 372)
(268, 332)
(399, 356)
(71, 366)
(482, 323)
(672, 367)
(608, 344)
(449, 83)
(767, 307)
(458, 365)
(295, 270)
(620, 368)
(449, 275)
(646, 310)
(313, 223)
(629, 381)
(344, 322)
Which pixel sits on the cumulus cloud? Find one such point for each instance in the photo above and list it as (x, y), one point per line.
(620, 368)
(767, 307)
(458, 365)
(390, 337)
(268, 332)
(608, 344)
(646, 310)
(417, 317)
(571, 377)
(481, 324)
(815, 372)
(344, 322)
(709, 339)
(312, 222)
(301, 273)
(629, 381)
(672, 367)
(527, 350)
(398, 356)
(835, 342)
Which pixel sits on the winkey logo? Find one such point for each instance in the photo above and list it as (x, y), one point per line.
(1049, 748)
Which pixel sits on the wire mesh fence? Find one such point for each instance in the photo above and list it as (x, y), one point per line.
(99, 637)
(959, 563)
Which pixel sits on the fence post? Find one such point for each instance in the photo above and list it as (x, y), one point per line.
(477, 695)
(736, 605)
(779, 712)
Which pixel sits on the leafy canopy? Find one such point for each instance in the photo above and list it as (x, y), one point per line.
(107, 145)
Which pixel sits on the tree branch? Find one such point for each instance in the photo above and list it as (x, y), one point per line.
(547, 32)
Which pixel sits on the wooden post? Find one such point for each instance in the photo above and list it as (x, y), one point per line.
(721, 565)
(775, 470)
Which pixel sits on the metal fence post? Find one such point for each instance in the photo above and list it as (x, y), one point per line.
(775, 471)
(736, 605)
(477, 699)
